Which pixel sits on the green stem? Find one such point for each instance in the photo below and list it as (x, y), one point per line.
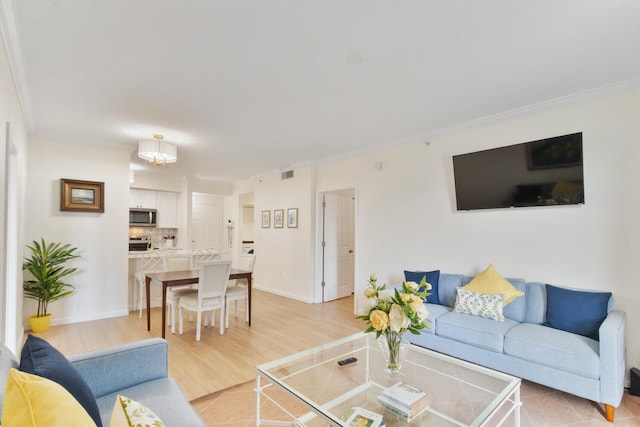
(393, 343)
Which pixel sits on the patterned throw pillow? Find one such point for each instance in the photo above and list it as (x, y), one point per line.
(477, 304)
(128, 413)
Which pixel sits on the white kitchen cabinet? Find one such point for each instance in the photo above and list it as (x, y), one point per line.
(167, 203)
(142, 198)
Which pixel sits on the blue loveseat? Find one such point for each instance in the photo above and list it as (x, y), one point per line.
(523, 346)
(138, 370)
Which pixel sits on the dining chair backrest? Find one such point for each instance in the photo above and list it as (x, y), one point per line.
(177, 262)
(205, 254)
(247, 262)
(151, 263)
(213, 278)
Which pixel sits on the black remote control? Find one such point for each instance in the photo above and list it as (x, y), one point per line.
(347, 361)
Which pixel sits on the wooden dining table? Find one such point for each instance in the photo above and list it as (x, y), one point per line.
(183, 278)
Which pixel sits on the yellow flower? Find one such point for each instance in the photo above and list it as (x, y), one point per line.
(379, 320)
(370, 292)
(405, 297)
(373, 278)
(427, 286)
(416, 303)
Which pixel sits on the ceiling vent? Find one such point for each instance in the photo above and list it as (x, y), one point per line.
(286, 174)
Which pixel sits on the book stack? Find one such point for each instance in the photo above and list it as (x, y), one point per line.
(404, 400)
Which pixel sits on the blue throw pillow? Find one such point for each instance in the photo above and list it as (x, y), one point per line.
(40, 358)
(574, 311)
(433, 277)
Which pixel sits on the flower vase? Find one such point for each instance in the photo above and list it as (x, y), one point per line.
(393, 347)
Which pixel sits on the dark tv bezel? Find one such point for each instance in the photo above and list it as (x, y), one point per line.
(538, 162)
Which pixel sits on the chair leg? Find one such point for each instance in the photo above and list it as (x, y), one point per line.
(198, 319)
(236, 303)
(246, 309)
(180, 328)
(222, 310)
(226, 317)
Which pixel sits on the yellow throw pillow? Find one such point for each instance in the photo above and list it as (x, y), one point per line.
(33, 401)
(491, 282)
(129, 413)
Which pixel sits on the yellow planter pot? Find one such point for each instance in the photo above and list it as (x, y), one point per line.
(40, 324)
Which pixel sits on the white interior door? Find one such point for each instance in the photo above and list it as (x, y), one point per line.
(338, 241)
(206, 221)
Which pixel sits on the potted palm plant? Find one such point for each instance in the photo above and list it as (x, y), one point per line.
(46, 266)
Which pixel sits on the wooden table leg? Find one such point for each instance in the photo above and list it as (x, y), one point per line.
(148, 291)
(164, 307)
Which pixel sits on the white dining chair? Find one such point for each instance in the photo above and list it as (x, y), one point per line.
(204, 254)
(240, 290)
(212, 284)
(177, 262)
(149, 263)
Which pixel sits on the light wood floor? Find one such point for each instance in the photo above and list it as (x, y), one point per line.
(279, 327)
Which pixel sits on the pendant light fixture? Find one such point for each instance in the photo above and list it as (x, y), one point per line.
(157, 151)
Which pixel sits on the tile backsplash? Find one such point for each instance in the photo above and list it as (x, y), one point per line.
(158, 236)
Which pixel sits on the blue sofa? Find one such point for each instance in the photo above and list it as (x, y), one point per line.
(138, 370)
(522, 346)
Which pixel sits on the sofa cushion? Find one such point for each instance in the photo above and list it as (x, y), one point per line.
(129, 413)
(34, 401)
(435, 311)
(447, 285)
(161, 396)
(477, 331)
(536, 299)
(490, 281)
(38, 357)
(482, 305)
(432, 278)
(580, 312)
(554, 348)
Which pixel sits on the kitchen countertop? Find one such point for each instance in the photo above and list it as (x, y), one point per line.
(159, 252)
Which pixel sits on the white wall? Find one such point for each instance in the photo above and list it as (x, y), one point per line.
(406, 215)
(101, 238)
(284, 256)
(10, 113)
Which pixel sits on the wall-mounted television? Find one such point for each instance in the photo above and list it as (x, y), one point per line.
(547, 172)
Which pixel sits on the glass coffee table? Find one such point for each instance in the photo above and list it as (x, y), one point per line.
(310, 388)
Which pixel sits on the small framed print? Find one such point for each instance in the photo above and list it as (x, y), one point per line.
(292, 218)
(278, 218)
(266, 219)
(81, 196)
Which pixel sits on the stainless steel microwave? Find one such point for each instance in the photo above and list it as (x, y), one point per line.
(141, 217)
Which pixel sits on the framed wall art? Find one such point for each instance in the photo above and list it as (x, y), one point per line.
(292, 218)
(81, 196)
(266, 219)
(278, 218)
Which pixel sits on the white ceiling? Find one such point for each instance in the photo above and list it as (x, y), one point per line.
(245, 86)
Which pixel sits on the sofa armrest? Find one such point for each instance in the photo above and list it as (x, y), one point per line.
(612, 358)
(115, 368)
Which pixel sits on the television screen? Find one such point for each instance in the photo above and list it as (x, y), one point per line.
(546, 172)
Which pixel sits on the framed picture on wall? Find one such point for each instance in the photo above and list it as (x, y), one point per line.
(278, 218)
(266, 219)
(81, 196)
(292, 218)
